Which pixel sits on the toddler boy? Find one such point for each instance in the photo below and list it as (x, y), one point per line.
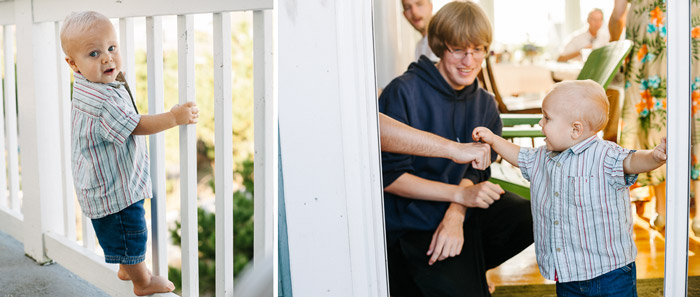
(580, 198)
(109, 161)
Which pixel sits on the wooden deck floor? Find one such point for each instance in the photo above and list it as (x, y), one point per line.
(522, 269)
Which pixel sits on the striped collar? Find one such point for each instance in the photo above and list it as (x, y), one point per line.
(80, 78)
(577, 148)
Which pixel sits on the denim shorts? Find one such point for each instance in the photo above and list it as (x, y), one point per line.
(619, 282)
(123, 235)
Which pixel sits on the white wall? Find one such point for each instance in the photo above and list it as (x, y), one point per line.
(329, 148)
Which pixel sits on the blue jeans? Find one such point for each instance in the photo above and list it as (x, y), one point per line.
(123, 235)
(619, 282)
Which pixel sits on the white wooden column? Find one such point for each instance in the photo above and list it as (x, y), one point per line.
(223, 154)
(4, 199)
(64, 111)
(39, 124)
(154, 48)
(126, 45)
(265, 136)
(11, 118)
(330, 149)
(573, 16)
(188, 159)
(395, 41)
(677, 165)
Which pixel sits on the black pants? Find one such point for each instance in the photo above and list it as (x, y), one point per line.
(491, 236)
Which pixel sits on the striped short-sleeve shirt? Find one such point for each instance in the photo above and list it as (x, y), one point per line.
(580, 208)
(110, 166)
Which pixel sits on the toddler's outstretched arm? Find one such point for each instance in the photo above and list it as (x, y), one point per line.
(645, 161)
(178, 115)
(508, 150)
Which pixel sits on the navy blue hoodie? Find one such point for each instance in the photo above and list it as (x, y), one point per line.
(423, 99)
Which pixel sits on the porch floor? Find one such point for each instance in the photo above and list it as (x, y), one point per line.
(21, 276)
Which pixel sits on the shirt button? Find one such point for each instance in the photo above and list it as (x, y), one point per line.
(556, 222)
(556, 194)
(558, 164)
(558, 250)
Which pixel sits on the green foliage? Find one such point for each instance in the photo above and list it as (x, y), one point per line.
(242, 234)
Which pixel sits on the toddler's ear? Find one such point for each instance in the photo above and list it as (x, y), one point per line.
(72, 65)
(576, 129)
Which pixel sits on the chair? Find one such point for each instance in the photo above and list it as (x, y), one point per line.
(601, 66)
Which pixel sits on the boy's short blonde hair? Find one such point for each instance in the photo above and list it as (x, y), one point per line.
(77, 22)
(459, 24)
(587, 101)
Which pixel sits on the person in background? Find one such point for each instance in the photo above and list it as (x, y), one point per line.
(418, 13)
(644, 109)
(591, 37)
(446, 224)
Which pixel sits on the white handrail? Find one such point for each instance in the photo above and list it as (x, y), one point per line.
(154, 40)
(3, 173)
(63, 74)
(11, 117)
(223, 154)
(265, 109)
(188, 160)
(51, 10)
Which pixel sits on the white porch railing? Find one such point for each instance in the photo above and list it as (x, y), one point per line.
(46, 225)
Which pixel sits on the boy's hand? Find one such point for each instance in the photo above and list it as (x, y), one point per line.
(483, 134)
(186, 113)
(659, 152)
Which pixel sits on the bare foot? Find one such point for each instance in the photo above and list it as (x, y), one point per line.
(122, 275)
(157, 284)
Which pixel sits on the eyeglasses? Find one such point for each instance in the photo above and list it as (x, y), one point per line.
(459, 54)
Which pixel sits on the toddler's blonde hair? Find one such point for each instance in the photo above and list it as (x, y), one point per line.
(586, 100)
(77, 22)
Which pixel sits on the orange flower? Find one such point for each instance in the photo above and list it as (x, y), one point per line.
(696, 101)
(693, 160)
(640, 106)
(657, 16)
(695, 33)
(642, 52)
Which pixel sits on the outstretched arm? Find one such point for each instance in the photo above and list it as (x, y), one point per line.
(508, 150)
(178, 115)
(645, 161)
(567, 57)
(481, 195)
(397, 137)
(617, 19)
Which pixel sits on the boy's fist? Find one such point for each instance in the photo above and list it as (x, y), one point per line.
(483, 134)
(186, 113)
(659, 152)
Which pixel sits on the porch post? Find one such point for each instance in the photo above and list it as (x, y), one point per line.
(330, 149)
(677, 165)
(39, 129)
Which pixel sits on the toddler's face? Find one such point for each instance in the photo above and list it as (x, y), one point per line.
(556, 124)
(95, 53)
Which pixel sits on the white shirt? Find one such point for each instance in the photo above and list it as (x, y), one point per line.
(422, 48)
(582, 39)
